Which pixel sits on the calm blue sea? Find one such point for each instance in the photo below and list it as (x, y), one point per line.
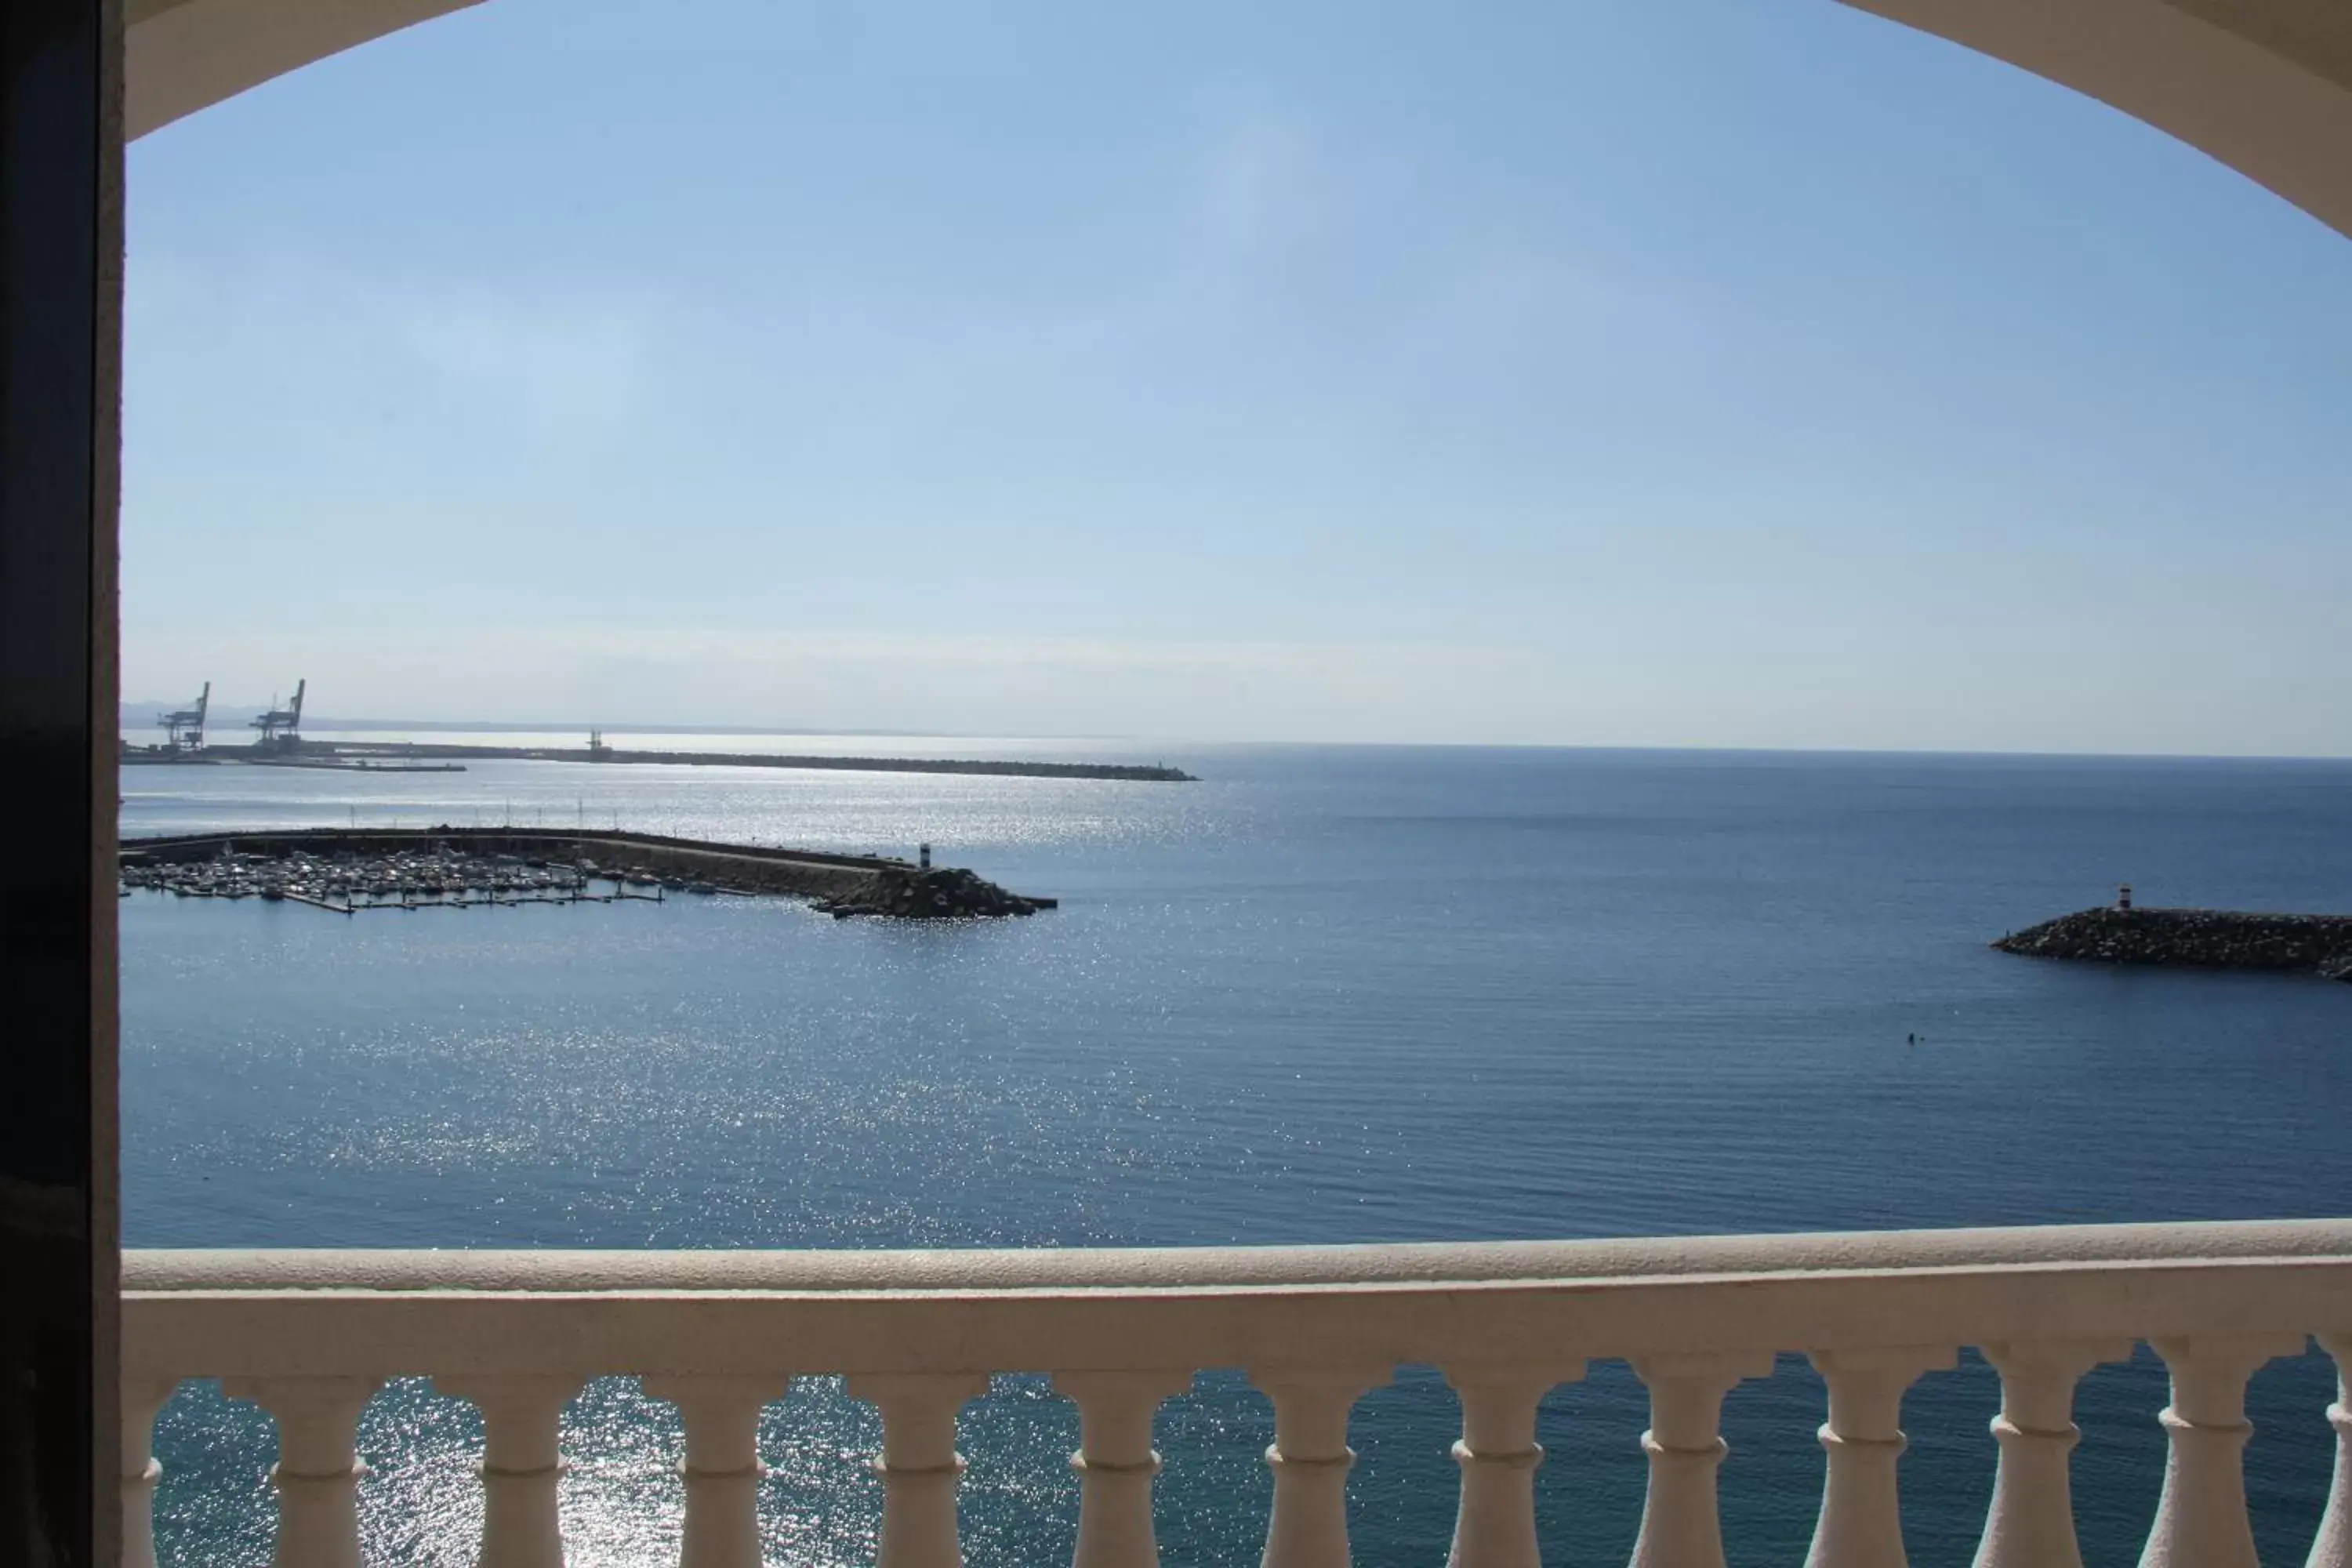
(1325, 995)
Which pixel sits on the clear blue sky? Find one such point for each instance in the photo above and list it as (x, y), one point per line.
(1623, 372)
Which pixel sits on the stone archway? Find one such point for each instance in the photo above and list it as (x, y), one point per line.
(2265, 85)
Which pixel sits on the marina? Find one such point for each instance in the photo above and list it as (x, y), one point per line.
(447, 867)
(430, 877)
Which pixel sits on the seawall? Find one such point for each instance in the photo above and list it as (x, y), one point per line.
(354, 750)
(855, 883)
(2194, 939)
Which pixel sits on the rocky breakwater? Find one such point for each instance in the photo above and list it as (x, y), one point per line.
(942, 894)
(2194, 939)
(365, 867)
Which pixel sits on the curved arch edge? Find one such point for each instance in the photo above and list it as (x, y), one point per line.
(181, 56)
(2262, 86)
(2274, 113)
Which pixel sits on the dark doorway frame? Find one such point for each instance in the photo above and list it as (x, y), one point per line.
(60, 377)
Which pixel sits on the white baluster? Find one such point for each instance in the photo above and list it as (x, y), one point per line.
(722, 1464)
(1680, 1527)
(1495, 1523)
(521, 1466)
(919, 1466)
(1116, 1462)
(2200, 1520)
(318, 1471)
(2333, 1546)
(2031, 1521)
(1860, 1524)
(1310, 1459)
(142, 1399)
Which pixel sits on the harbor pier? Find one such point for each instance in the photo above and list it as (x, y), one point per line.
(350, 869)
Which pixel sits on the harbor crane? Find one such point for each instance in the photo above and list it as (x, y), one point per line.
(278, 726)
(185, 730)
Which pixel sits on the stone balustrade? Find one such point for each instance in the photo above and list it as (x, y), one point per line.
(311, 1335)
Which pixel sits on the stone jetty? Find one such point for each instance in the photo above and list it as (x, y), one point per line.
(929, 893)
(2194, 939)
(438, 756)
(450, 866)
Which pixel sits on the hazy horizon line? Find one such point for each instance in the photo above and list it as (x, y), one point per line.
(554, 727)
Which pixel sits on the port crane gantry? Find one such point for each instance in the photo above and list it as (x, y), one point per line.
(185, 730)
(278, 725)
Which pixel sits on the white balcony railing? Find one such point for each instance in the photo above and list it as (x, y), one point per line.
(311, 1335)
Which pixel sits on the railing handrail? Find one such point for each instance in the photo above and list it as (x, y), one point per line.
(311, 1335)
(1380, 1267)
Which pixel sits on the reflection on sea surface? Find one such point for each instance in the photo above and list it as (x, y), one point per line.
(1323, 995)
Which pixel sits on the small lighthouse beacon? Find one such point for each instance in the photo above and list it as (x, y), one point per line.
(2123, 897)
